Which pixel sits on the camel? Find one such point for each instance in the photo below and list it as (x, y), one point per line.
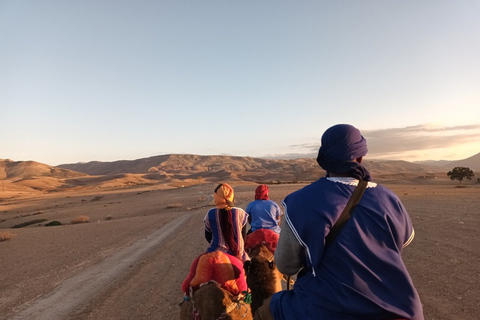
(211, 302)
(214, 289)
(263, 277)
(212, 273)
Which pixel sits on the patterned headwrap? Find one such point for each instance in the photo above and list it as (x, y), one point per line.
(341, 145)
(261, 193)
(223, 196)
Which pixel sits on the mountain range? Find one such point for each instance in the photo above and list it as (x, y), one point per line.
(22, 175)
(191, 164)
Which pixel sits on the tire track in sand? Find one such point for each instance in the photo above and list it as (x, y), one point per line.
(89, 283)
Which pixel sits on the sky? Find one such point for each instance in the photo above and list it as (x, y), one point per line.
(97, 80)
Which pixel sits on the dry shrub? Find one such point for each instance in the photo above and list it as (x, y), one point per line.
(174, 205)
(6, 235)
(80, 219)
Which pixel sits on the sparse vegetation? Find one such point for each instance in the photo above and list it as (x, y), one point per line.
(460, 173)
(174, 205)
(80, 219)
(6, 235)
(109, 218)
(97, 198)
(28, 223)
(53, 223)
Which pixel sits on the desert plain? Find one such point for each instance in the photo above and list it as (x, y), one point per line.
(129, 259)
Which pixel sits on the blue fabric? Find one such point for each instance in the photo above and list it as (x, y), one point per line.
(265, 214)
(362, 274)
(341, 145)
(218, 243)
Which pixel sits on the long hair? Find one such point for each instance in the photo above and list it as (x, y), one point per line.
(226, 225)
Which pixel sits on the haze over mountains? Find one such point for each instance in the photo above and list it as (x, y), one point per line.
(27, 176)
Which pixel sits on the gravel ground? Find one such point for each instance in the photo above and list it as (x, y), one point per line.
(129, 260)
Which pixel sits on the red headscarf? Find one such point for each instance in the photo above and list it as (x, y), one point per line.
(261, 193)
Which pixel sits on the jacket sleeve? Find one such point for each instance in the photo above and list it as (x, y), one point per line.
(289, 254)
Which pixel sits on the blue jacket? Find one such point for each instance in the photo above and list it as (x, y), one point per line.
(362, 274)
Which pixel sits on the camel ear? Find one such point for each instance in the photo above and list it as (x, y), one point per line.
(246, 266)
(271, 265)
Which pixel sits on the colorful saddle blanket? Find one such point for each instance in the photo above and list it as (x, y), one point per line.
(267, 236)
(221, 267)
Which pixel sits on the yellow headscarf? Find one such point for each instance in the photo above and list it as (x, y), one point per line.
(223, 196)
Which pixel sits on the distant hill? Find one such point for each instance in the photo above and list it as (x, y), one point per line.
(185, 166)
(17, 170)
(180, 169)
(232, 167)
(122, 166)
(473, 163)
(436, 163)
(389, 167)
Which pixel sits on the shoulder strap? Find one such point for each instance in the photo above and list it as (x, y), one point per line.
(347, 212)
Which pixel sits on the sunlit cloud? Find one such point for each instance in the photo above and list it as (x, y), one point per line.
(420, 142)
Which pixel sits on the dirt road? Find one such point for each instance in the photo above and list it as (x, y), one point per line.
(79, 290)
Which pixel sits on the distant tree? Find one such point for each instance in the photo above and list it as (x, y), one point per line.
(460, 173)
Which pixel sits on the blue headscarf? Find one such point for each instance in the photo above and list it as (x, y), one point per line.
(341, 145)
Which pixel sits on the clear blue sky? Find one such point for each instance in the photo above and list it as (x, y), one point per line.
(119, 80)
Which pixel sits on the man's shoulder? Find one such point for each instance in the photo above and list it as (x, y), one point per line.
(273, 202)
(312, 187)
(380, 189)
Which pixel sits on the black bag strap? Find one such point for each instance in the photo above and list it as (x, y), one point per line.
(347, 212)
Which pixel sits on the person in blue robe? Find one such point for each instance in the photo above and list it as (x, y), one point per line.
(361, 275)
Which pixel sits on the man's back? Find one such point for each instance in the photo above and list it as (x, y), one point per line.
(362, 272)
(265, 214)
